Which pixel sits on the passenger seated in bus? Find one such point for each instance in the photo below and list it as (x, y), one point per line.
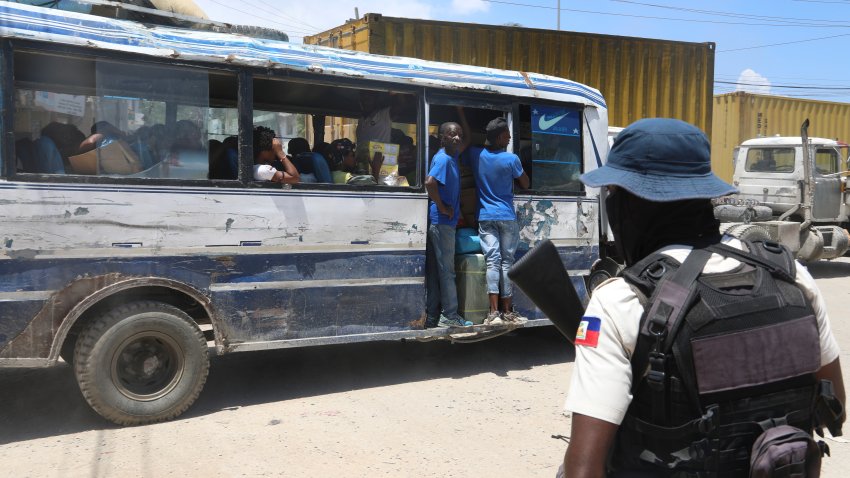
(105, 151)
(66, 137)
(187, 136)
(141, 144)
(186, 144)
(267, 148)
(40, 156)
(231, 151)
(102, 133)
(343, 162)
(323, 148)
(218, 159)
(406, 157)
(308, 162)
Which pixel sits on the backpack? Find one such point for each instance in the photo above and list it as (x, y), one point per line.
(719, 359)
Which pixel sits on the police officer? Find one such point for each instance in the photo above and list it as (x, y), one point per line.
(659, 186)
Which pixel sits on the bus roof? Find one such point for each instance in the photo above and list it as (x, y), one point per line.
(72, 28)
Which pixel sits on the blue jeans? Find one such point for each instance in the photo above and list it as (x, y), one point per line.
(499, 240)
(441, 290)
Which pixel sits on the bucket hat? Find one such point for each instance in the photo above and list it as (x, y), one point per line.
(661, 159)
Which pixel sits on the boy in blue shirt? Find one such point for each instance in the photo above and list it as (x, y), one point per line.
(443, 186)
(495, 170)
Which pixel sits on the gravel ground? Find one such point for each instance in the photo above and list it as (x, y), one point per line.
(381, 409)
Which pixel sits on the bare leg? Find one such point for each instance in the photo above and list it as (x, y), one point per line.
(507, 304)
(494, 302)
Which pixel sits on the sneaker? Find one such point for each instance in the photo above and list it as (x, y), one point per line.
(431, 322)
(493, 318)
(454, 322)
(513, 317)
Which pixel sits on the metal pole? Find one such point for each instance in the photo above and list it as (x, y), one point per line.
(559, 14)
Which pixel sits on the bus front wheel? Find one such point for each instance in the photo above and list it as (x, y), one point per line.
(142, 362)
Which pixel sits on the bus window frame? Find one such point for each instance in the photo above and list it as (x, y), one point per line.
(472, 100)
(418, 92)
(584, 132)
(511, 105)
(7, 120)
(11, 47)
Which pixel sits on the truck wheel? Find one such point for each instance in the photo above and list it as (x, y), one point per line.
(142, 362)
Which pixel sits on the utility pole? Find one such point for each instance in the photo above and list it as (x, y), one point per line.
(559, 14)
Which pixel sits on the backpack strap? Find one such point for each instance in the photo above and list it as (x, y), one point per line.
(774, 257)
(661, 321)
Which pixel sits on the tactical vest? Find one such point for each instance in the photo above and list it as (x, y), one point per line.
(719, 358)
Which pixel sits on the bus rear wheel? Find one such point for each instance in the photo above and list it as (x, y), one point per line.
(142, 362)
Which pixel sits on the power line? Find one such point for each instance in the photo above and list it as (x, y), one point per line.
(717, 22)
(733, 14)
(282, 20)
(783, 43)
(736, 75)
(253, 15)
(824, 1)
(285, 14)
(739, 83)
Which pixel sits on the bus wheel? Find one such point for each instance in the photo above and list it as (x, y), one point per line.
(142, 362)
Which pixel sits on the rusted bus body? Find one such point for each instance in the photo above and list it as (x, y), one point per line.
(130, 259)
(264, 266)
(741, 116)
(639, 77)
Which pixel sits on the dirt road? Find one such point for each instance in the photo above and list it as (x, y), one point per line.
(383, 409)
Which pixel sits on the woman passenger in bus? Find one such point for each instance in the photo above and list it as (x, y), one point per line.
(343, 163)
(267, 148)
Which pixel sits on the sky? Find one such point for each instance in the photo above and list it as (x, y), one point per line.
(798, 48)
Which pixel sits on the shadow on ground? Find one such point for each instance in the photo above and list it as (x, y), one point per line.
(829, 269)
(39, 403)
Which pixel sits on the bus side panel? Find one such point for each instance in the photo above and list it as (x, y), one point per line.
(565, 220)
(572, 224)
(40, 293)
(65, 238)
(14, 318)
(316, 295)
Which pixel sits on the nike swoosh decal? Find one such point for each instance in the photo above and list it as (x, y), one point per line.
(548, 123)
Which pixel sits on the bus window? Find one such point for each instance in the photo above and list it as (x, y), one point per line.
(365, 137)
(551, 148)
(116, 119)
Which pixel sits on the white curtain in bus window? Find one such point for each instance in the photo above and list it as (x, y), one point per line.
(152, 122)
(556, 149)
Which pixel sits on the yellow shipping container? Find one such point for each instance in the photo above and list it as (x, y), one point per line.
(741, 116)
(639, 77)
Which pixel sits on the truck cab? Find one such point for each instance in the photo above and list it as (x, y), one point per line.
(790, 193)
(770, 172)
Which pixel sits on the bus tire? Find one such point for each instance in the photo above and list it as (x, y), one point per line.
(142, 362)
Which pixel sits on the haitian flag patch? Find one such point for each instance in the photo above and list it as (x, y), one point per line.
(588, 331)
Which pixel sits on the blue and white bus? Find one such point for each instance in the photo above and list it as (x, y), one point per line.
(135, 260)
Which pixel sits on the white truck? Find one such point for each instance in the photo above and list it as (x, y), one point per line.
(793, 191)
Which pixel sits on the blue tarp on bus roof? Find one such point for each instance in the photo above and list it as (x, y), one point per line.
(71, 28)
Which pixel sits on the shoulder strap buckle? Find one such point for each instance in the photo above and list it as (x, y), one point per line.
(657, 371)
(708, 422)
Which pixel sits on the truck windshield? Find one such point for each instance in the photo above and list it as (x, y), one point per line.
(770, 160)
